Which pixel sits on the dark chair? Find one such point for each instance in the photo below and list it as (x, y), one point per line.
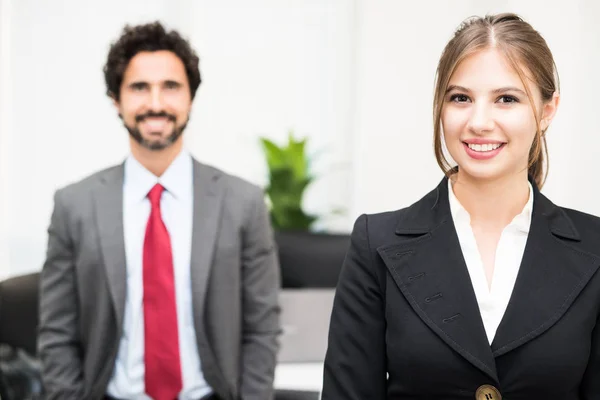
(18, 332)
(19, 369)
(310, 260)
(19, 312)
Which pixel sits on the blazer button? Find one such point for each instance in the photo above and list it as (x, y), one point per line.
(487, 392)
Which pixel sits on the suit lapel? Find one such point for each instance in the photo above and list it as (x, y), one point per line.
(427, 264)
(207, 203)
(108, 197)
(552, 274)
(208, 198)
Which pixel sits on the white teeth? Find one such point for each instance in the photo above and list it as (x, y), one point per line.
(484, 147)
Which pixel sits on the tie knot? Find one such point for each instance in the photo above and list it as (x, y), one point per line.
(154, 194)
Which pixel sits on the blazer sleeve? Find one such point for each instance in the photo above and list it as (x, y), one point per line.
(355, 362)
(590, 386)
(58, 335)
(260, 289)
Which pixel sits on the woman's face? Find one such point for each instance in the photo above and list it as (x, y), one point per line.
(487, 119)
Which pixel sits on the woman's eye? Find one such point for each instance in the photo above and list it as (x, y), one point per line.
(508, 99)
(459, 98)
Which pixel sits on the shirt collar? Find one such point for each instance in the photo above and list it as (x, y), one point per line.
(522, 221)
(176, 179)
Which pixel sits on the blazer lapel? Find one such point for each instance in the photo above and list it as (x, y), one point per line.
(552, 274)
(108, 197)
(208, 199)
(427, 264)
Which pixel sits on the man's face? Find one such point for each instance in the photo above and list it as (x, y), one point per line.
(155, 99)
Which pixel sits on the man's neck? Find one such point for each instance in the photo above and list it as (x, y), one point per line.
(156, 161)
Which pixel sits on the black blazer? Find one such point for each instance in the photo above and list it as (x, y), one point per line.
(405, 306)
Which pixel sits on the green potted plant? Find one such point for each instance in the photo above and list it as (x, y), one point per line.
(288, 179)
(307, 258)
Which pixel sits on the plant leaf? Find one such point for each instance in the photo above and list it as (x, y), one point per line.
(275, 155)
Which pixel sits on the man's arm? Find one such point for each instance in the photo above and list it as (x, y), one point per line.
(260, 286)
(58, 334)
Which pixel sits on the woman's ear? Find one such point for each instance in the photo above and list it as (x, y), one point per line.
(549, 111)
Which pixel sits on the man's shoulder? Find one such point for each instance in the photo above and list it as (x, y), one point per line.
(87, 183)
(233, 185)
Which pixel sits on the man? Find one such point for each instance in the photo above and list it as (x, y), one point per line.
(161, 279)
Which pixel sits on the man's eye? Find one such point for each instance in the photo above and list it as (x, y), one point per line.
(172, 85)
(138, 87)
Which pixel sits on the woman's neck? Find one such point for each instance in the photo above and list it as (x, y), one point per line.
(492, 203)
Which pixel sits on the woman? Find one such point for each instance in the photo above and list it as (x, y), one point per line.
(484, 288)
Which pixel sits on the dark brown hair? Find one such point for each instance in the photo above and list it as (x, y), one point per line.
(526, 51)
(148, 37)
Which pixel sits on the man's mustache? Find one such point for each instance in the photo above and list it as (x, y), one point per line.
(149, 114)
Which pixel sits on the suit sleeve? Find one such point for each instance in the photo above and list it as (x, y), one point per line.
(58, 335)
(590, 387)
(355, 363)
(260, 294)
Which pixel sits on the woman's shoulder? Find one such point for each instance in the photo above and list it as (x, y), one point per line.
(587, 225)
(416, 218)
(580, 230)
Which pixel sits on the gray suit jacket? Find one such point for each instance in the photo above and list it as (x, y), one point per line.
(235, 285)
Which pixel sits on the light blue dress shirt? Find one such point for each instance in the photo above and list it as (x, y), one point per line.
(177, 202)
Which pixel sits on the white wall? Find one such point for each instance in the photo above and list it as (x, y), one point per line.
(61, 125)
(270, 66)
(573, 34)
(5, 128)
(267, 68)
(399, 44)
(398, 49)
(355, 76)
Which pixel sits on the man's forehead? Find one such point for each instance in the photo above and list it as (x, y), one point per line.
(156, 67)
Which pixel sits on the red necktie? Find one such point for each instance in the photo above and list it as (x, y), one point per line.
(161, 347)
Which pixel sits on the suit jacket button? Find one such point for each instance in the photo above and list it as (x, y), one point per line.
(487, 392)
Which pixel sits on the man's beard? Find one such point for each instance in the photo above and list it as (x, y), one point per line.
(156, 145)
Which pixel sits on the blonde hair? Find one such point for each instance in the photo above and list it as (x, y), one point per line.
(522, 46)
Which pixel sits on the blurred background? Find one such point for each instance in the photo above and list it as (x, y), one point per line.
(352, 77)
